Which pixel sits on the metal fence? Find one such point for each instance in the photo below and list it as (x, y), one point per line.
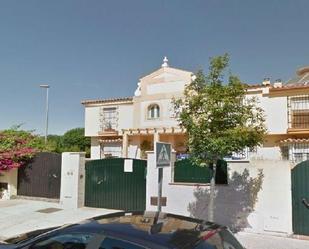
(187, 172)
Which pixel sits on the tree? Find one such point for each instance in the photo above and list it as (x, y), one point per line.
(17, 147)
(54, 143)
(218, 117)
(75, 140)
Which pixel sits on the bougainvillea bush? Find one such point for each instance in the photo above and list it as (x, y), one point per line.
(17, 147)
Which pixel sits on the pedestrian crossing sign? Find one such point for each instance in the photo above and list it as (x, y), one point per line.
(163, 154)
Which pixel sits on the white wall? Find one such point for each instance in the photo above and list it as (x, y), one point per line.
(166, 87)
(72, 193)
(267, 153)
(276, 113)
(134, 150)
(125, 116)
(166, 114)
(95, 148)
(9, 177)
(93, 122)
(272, 211)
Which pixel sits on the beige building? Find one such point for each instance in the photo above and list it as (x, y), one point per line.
(127, 127)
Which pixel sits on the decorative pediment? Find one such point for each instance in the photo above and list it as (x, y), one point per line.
(166, 76)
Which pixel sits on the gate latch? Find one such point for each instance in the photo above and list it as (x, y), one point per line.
(304, 201)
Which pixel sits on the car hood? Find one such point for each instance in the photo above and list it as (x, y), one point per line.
(6, 246)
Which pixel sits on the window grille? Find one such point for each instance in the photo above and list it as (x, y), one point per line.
(298, 152)
(109, 118)
(298, 112)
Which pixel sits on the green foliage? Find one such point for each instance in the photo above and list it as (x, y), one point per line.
(54, 143)
(217, 115)
(73, 140)
(17, 146)
(146, 145)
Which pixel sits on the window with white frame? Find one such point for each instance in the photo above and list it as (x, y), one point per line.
(153, 111)
(110, 118)
(298, 110)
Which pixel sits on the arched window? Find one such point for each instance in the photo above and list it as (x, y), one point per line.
(153, 111)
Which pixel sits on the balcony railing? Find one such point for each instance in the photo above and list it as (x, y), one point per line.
(108, 121)
(297, 152)
(108, 131)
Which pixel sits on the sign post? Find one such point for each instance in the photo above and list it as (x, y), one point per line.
(163, 159)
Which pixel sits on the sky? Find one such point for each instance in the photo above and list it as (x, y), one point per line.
(93, 49)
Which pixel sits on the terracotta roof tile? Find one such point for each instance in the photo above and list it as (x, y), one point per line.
(110, 140)
(111, 100)
(294, 140)
(250, 86)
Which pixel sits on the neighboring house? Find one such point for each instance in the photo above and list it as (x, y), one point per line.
(127, 127)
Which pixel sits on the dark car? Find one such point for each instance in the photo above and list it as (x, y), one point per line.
(130, 230)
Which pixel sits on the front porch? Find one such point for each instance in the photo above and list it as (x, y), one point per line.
(136, 142)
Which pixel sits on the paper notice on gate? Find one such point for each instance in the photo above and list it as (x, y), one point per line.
(128, 165)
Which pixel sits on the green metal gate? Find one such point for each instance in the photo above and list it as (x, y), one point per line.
(109, 186)
(300, 198)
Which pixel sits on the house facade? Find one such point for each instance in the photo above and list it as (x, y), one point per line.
(128, 127)
(266, 188)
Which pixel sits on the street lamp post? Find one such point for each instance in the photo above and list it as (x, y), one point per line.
(46, 118)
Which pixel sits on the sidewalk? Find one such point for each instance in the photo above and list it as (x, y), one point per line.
(262, 241)
(20, 216)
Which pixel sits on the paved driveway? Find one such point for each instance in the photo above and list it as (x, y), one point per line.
(20, 216)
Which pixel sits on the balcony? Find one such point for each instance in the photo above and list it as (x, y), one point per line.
(108, 132)
(108, 129)
(109, 122)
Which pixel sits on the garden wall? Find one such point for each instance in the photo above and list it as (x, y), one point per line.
(8, 182)
(257, 197)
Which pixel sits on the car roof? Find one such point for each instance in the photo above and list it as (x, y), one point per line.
(150, 229)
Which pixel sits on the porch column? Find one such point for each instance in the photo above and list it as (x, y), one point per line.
(125, 145)
(173, 142)
(156, 137)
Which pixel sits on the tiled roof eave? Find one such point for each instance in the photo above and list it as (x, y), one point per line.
(106, 101)
(295, 141)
